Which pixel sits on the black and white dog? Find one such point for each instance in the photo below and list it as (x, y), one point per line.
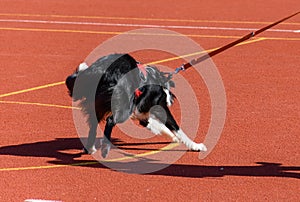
(116, 87)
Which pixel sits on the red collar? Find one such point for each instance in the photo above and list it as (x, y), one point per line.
(138, 93)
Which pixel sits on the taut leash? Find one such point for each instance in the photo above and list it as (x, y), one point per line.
(223, 48)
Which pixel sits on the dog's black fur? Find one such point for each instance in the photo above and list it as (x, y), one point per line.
(114, 89)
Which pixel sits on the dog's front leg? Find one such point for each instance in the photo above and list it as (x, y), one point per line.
(180, 135)
(106, 144)
(160, 121)
(156, 127)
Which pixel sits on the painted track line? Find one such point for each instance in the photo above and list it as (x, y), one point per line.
(38, 104)
(32, 89)
(140, 19)
(201, 52)
(48, 167)
(133, 33)
(141, 25)
(40, 200)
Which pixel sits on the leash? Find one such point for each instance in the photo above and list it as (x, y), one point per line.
(223, 48)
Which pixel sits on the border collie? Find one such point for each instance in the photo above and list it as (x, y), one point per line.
(115, 88)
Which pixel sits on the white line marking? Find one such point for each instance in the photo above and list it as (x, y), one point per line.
(39, 200)
(142, 25)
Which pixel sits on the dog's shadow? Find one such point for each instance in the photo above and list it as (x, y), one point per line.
(50, 149)
(56, 149)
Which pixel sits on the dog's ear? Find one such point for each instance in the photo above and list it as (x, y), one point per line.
(165, 78)
(70, 81)
(172, 83)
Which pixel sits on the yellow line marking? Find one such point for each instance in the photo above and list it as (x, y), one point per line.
(33, 167)
(282, 39)
(113, 33)
(39, 104)
(58, 30)
(133, 33)
(204, 51)
(32, 89)
(166, 148)
(141, 19)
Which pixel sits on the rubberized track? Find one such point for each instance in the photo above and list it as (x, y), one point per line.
(257, 157)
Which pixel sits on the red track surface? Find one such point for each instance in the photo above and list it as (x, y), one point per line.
(261, 80)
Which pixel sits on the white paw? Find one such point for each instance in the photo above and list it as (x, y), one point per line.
(91, 150)
(105, 148)
(199, 147)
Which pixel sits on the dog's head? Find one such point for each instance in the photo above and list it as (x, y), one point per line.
(70, 81)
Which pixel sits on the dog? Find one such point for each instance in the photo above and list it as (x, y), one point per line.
(115, 88)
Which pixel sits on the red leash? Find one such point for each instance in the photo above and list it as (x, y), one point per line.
(223, 48)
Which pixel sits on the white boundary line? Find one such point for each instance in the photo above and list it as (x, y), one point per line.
(40, 200)
(142, 25)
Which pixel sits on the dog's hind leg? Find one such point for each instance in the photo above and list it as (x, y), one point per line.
(121, 111)
(105, 143)
(90, 146)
